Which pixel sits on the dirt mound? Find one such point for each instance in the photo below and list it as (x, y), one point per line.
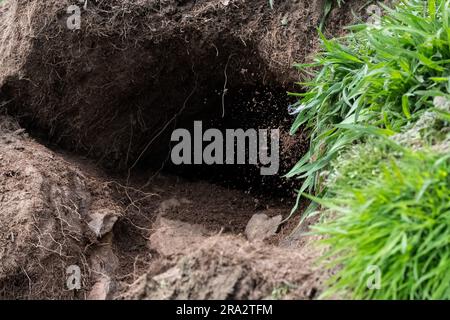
(227, 267)
(47, 210)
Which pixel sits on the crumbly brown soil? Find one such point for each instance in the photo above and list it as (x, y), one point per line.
(105, 99)
(170, 230)
(228, 267)
(46, 204)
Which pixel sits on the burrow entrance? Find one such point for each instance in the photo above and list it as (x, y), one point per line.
(127, 125)
(248, 107)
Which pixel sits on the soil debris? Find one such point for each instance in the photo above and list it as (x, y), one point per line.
(261, 227)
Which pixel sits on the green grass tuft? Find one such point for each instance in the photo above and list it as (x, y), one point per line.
(396, 218)
(382, 76)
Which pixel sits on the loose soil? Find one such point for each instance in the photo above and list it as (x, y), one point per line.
(169, 231)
